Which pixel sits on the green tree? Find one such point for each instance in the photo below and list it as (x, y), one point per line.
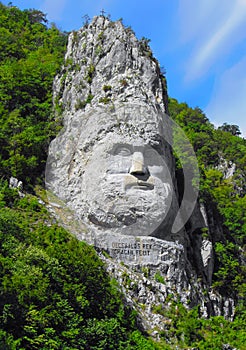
(231, 128)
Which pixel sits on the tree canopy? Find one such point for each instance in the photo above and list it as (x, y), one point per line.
(31, 54)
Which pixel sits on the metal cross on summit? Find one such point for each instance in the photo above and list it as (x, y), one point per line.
(103, 13)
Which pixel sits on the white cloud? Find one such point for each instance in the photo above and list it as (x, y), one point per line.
(228, 103)
(193, 18)
(222, 39)
(213, 30)
(54, 9)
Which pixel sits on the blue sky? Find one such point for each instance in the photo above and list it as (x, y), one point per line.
(200, 43)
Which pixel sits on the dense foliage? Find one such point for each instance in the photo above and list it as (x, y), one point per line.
(56, 294)
(30, 56)
(189, 331)
(221, 156)
(54, 290)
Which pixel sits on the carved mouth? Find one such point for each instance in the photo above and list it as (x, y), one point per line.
(140, 185)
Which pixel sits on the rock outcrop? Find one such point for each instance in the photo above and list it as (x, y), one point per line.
(113, 167)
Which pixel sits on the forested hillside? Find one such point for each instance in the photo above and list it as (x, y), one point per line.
(221, 156)
(54, 290)
(30, 56)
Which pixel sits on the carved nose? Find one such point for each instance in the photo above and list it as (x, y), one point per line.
(138, 167)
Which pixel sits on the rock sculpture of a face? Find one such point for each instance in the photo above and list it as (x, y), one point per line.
(126, 185)
(115, 174)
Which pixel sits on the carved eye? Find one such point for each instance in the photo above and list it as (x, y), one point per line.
(123, 151)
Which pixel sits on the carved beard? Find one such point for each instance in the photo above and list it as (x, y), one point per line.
(137, 210)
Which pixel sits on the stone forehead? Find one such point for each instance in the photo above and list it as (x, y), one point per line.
(128, 122)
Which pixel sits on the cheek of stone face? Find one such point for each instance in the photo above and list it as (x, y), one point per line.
(118, 165)
(94, 173)
(160, 172)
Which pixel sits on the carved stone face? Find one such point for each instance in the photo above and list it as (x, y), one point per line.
(126, 185)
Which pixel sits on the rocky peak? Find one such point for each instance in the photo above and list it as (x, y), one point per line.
(112, 166)
(106, 64)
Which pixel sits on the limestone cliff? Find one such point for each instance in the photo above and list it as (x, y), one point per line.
(112, 166)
